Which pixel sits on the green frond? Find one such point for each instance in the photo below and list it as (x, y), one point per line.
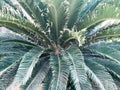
(116, 79)
(43, 70)
(7, 75)
(104, 80)
(71, 85)
(18, 26)
(23, 42)
(54, 21)
(9, 10)
(106, 62)
(102, 25)
(10, 57)
(77, 69)
(98, 13)
(62, 16)
(104, 30)
(57, 19)
(108, 34)
(74, 7)
(47, 82)
(60, 72)
(37, 11)
(115, 45)
(10, 53)
(115, 76)
(26, 66)
(106, 51)
(6, 70)
(15, 11)
(65, 38)
(28, 29)
(88, 7)
(110, 65)
(96, 83)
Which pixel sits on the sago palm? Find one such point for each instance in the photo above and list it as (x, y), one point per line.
(60, 45)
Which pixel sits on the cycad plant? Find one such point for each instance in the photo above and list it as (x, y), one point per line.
(60, 45)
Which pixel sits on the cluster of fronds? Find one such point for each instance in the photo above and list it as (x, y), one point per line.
(66, 45)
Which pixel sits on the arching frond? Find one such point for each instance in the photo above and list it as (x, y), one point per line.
(98, 12)
(47, 82)
(42, 71)
(57, 18)
(100, 76)
(77, 69)
(37, 10)
(26, 66)
(7, 75)
(88, 7)
(111, 65)
(74, 7)
(60, 72)
(23, 42)
(9, 53)
(10, 57)
(106, 51)
(104, 31)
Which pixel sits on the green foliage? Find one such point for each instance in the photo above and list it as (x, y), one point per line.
(60, 75)
(104, 81)
(60, 45)
(77, 70)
